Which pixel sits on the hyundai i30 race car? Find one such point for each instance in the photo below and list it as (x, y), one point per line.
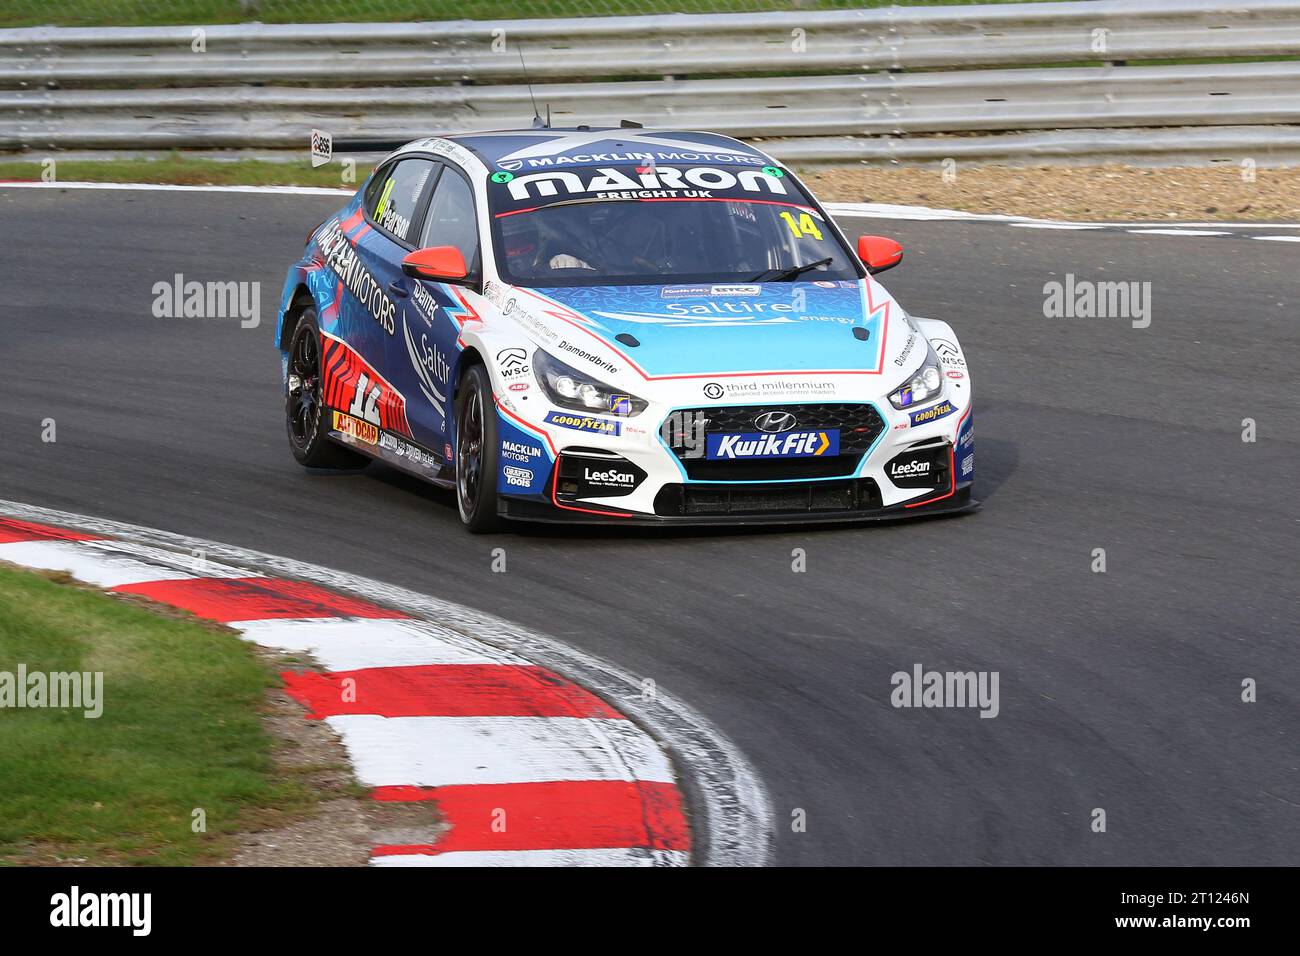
(623, 326)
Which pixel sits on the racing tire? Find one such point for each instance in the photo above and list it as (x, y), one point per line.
(304, 408)
(477, 451)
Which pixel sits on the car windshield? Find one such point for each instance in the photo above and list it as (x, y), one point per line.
(647, 225)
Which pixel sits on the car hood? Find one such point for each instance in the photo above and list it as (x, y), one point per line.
(700, 329)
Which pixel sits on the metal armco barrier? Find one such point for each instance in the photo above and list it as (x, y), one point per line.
(881, 84)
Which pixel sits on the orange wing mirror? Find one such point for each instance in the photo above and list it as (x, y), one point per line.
(879, 253)
(445, 263)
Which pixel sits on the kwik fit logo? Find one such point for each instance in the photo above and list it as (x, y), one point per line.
(800, 444)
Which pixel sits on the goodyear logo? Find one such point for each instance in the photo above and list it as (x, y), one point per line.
(933, 413)
(356, 428)
(582, 423)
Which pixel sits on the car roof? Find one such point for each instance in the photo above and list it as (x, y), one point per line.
(588, 146)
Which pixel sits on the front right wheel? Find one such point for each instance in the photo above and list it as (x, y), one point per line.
(477, 450)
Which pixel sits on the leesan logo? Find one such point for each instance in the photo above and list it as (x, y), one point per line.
(650, 182)
(341, 257)
(912, 469)
(624, 478)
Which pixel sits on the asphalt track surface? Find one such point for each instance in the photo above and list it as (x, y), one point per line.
(1119, 691)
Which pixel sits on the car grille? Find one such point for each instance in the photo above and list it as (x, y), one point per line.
(859, 425)
(814, 497)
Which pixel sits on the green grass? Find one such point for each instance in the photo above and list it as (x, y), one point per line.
(180, 730)
(139, 12)
(190, 171)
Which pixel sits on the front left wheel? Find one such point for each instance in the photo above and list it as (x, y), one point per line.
(304, 407)
(477, 450)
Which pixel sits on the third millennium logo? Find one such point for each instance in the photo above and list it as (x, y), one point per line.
(1085, 299)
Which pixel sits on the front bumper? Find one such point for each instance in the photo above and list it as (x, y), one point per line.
(886, 465)
(523, 509)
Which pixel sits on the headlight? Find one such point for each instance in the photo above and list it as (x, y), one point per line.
(569, 388)
(925, 385)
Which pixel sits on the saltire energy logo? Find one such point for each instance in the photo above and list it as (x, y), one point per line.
(352, 385)
(431, 366)
(748, 445)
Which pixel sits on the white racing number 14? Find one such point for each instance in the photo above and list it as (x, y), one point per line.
(366, 403)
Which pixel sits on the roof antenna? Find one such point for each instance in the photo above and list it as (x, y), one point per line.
(538, 122)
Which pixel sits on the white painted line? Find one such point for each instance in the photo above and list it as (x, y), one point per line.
(445, 751)
(880, 210)
(919, 213)
(603, 857)
(1278, 238)
(1178, 232)
(1218, 225)
(86, 564)
(732, 817)
(1053, 225)
(353, 644)
(171, 187)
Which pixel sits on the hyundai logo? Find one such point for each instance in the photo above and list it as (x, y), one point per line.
(775, 422)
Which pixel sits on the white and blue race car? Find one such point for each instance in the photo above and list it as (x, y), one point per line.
(621, 326)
